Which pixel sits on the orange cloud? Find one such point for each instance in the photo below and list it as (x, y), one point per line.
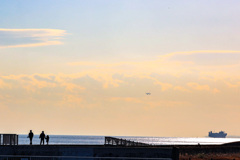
(197, 86)
(176, 67)
(165, 86)
(180, 88)
(126, 99)
(4, 84)
(200, 51)
(232, 85)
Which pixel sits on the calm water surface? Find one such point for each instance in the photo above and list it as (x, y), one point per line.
(99, 140)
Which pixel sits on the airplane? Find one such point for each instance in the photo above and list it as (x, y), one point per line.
(148, 94)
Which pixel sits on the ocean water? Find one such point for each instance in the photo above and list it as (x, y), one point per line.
(99, 140)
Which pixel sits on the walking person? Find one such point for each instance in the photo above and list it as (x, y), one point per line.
(42, 137)
(47, 139)
(30, 136)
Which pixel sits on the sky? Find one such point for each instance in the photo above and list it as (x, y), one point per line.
(80, 67)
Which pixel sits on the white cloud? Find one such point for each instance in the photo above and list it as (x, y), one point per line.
(15, 38)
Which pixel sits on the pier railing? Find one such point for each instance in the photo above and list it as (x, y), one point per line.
(122, 142)
(8, 139)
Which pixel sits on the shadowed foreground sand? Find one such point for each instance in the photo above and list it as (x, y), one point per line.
(202, 156)
(228, 151)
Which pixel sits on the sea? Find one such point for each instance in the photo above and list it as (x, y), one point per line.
(99, 140)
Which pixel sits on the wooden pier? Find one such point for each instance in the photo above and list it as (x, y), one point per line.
(122, 142)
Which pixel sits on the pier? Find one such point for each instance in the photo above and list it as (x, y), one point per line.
(122, 142)
(113, 149)
(79, 152)
(8, 139)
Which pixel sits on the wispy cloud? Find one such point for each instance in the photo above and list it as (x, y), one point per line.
(15, 38)
(200, 52)
(219, 57)
(205, 57)
(199, 87)
(206, 63)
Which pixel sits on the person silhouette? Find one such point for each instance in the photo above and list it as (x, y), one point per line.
(47, 139)
(42, 137)
(30, 136)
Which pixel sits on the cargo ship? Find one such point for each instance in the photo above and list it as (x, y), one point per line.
(220, 134)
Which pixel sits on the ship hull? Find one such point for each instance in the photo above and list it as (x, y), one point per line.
(217, 135)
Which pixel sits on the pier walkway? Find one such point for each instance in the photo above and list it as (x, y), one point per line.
(79, 152)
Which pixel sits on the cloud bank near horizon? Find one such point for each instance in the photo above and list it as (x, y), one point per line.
(16, 38)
